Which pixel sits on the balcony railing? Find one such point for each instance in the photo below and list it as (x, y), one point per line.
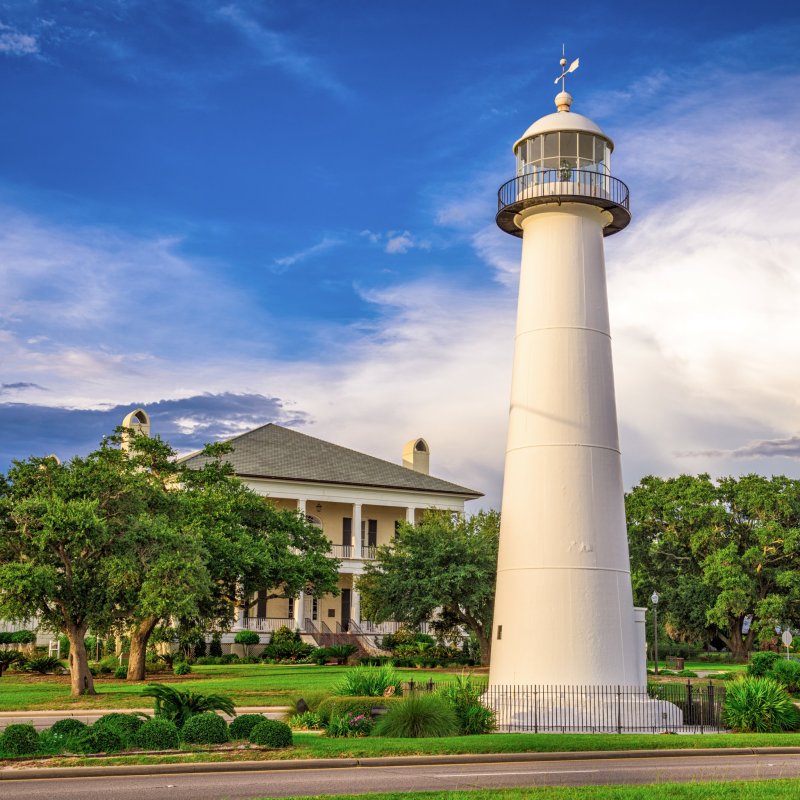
(563, 186)
(349, 551)
(268, 624)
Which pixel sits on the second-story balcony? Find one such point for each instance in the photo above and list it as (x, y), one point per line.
(352, 551)
(566, 185)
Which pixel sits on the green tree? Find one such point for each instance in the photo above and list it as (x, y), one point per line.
(717, 552)
(441, 570)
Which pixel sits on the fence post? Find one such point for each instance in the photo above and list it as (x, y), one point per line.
(690, 707)
(711, 704)
(536, 709)
(619, 710)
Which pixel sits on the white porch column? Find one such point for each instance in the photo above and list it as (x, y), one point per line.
(355, 606)
(355, 534)
(299, 611)
(241, 615)
(301, 504)
(410, 515)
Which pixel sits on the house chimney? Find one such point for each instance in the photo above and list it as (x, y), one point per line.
(417, 456)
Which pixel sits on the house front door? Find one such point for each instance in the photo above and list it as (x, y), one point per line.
(346, 599)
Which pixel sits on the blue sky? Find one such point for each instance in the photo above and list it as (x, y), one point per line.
(236, 213)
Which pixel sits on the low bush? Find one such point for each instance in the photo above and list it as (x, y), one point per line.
(208, 728)
(310, 701)
(125, 725)
(369, 681)
(100, 739)
(305, 721)
(108, 665)
(242, 726)
(338, 706)
(121, 672)
(182, 668)
(157, 734)
(68, 727)
(762, 663)
(686, 673)
(271, 733)
(19, 740)
(756, 704)
(229, 658)
(203, 660)
(350, 726)
(418, 716)
(787, 673)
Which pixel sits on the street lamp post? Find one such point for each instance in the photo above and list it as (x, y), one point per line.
(654, 598)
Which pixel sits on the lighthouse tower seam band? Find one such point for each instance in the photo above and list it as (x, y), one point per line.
(564, 610)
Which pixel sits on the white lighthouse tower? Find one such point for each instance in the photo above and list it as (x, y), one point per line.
(564, 610)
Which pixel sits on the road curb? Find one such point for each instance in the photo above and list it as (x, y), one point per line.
(35, 773)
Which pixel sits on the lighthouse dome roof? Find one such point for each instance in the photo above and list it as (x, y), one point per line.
(563, 121)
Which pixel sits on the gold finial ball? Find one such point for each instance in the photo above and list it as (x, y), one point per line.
(563, 62)
(563, 101)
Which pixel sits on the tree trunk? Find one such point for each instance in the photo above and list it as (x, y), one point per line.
(485, 643)
(81, 681)
(140, 635)
(737, 644)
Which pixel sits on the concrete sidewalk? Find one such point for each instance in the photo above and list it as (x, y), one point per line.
(33, 773)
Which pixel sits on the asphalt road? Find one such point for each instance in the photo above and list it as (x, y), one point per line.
(290, 782)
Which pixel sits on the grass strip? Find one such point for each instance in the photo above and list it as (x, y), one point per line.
(736, 790)
(314, 746)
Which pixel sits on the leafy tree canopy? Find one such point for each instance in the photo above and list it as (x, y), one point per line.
(441, 570)
(718, 552)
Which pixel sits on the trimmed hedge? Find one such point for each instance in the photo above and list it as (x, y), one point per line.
(242, 726)
(157, 734)
(68, 727)
(207, 728)
(271, 733)
(100, 739)
(338, 706)
(19, 740)
(124, 725)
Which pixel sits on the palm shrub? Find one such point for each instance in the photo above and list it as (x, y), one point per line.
(368, 681)
(418, 716)
(341, 652)
(177, 706)
(464, 697)
(243, 725)
(157, 734)
(19, 740)
(42, 664)
(10, 657)
(271, 733)
(756, 704)
(207, 728)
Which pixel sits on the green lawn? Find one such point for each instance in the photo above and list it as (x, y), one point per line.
(738, 790)
(248, 684)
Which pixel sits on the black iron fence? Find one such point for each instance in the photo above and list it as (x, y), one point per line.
(657, 708)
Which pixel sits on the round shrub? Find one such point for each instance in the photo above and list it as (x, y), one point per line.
(121, 672)
(419, 716)
(100, 739)
(207, 728)
(157, 734)
(759, 705)
(124, 725)
(68, 727)
(271, 733)
(19, 740)
(762, 663)
(242, 726)
(182, 668)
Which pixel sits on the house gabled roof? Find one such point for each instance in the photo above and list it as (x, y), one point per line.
(277, 453)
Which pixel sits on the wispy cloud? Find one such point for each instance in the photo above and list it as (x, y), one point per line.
(327, 243)
(396, 242)
(16, 43)
(766, 448)
(277, 49)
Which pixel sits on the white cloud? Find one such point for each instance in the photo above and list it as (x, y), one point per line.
(402, 242)
(15, 43)
(301, 255)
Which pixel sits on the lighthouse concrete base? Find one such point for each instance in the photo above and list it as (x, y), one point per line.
(581, 709)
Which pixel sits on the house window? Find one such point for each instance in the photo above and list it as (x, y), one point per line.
(347, 531)
(314, 609)
(369, 533)
(291, 608)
